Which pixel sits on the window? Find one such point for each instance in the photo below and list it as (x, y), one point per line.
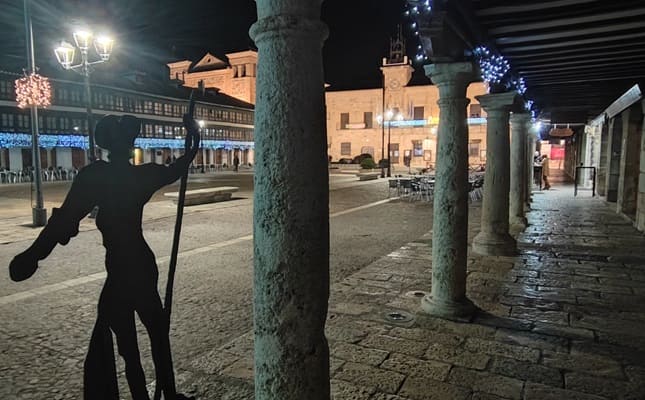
(158, 108)
(475, 111)
(368, 150)
(394, 153)
(368, 119)
(4, 88)
(473, 148)
(148, 130)
(147, 107)
(418, 113)
(346, 149)
(344, 120)
(417, 148)
(7, 121)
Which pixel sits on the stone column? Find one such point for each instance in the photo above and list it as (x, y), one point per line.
(291, 206)
(528, 187)
(630, 160)
(450, 220)
(614, 147)
(494, 239)
(520, 128)
(601, 177)
(640, 202)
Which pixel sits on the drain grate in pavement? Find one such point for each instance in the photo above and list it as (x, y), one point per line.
(399, 317)
(416, 293)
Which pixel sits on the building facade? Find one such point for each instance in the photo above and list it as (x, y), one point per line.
(227, 123)
(235, 78)
(355, 122)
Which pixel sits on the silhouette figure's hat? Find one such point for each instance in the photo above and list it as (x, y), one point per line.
(114, 132)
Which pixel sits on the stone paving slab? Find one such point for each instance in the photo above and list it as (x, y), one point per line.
(561, 320)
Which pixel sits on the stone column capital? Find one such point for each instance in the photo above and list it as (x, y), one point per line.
(272, 8)
(451, 73)
(520, 118)
(495, 102)
(292, 25)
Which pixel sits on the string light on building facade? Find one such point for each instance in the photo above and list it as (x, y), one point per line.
(33, 90)
(419, 11)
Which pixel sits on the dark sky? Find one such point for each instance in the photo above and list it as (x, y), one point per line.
(150, 33)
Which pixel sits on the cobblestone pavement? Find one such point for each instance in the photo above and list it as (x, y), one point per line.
(561, 320)
(46, 320)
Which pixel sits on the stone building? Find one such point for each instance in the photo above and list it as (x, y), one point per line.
(227, 123)
(613, 143)
(354, 117)
(235, 78)
(355, 125)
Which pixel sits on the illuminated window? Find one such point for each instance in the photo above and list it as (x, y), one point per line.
(417, 148)
(475, 111)
(344, 120)
(418, 113)
(368, 119)
(473, 148)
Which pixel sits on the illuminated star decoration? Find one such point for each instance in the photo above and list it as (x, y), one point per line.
(496, 70)
(417, 10)
(33, 90)
(493, 68)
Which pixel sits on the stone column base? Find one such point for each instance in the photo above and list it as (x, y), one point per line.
(518, 223)
(448, 309)
(490, 244)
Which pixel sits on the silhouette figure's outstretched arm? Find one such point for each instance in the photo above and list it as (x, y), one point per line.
(61, 227)
(168, 174)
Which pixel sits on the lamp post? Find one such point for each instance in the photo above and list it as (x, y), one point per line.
(389, 117)
(34, 91)
(65, 55)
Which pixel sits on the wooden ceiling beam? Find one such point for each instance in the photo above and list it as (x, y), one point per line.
(584, 65)
(572, 32)
(567, 22)
(601, 71)
(572, 43)
(595, 79)
(579, 59)
(536, 6)
(580, 51)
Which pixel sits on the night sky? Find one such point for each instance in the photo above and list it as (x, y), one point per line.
(150, 33)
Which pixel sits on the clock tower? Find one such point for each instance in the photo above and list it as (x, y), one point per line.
(397, 72)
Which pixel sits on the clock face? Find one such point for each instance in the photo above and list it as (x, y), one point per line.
(394, 83)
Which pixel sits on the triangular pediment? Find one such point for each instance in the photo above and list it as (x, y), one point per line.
(209, 61)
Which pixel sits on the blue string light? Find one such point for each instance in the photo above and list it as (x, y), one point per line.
(496, 70)
(10, 140)
(418, 11)
(493, 67)
(23, 140)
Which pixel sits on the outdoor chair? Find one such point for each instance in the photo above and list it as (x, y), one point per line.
(405, 187)
(393, 184)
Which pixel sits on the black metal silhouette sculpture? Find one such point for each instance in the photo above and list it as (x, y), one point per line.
(120, 190)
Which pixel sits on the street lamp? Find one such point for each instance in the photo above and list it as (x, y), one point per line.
(84, 39)
(33, 91)
(389, 117)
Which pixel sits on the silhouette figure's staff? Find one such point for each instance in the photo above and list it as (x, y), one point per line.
(172, 267)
